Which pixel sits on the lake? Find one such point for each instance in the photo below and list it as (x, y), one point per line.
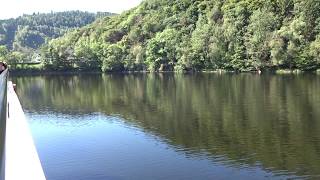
(174, 126)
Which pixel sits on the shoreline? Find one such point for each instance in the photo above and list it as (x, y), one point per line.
(219, 71)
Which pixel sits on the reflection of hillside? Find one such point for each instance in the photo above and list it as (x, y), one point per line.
(274, 120)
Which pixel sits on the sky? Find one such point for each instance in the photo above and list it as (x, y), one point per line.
(15, 8)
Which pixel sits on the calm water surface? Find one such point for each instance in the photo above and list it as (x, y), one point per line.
(165, 126)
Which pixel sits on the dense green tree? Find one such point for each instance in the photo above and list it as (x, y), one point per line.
(315, 50)
(200, 43)
(259, 34)
(3, 51)
(14, 58)
(161, 50)
(113, 58)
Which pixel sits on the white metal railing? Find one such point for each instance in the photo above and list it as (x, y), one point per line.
(3, 120)
(22, 160)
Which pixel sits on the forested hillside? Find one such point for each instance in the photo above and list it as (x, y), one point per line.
(240, 35)
(21, 38)
(31, 31)
(198, 34)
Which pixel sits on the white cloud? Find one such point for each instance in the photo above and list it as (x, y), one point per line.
(14, 8)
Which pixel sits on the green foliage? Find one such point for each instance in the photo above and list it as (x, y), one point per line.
(113, 58)
(11, 58)
(3, 51)
(161, 35)
(26, 34)
(31, 31)
(14, 58)
(259, 33)
(162, 49)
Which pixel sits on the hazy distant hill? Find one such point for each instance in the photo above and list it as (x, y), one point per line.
(198, 34)
(29, 32)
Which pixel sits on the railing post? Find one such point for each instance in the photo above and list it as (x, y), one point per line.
(3, 120)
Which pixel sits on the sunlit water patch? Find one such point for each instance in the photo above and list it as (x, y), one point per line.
(95, 146)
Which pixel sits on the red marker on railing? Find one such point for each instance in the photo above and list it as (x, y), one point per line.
(3, 66)
(14, 87)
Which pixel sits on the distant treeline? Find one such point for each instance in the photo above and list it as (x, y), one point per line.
(24, 35)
